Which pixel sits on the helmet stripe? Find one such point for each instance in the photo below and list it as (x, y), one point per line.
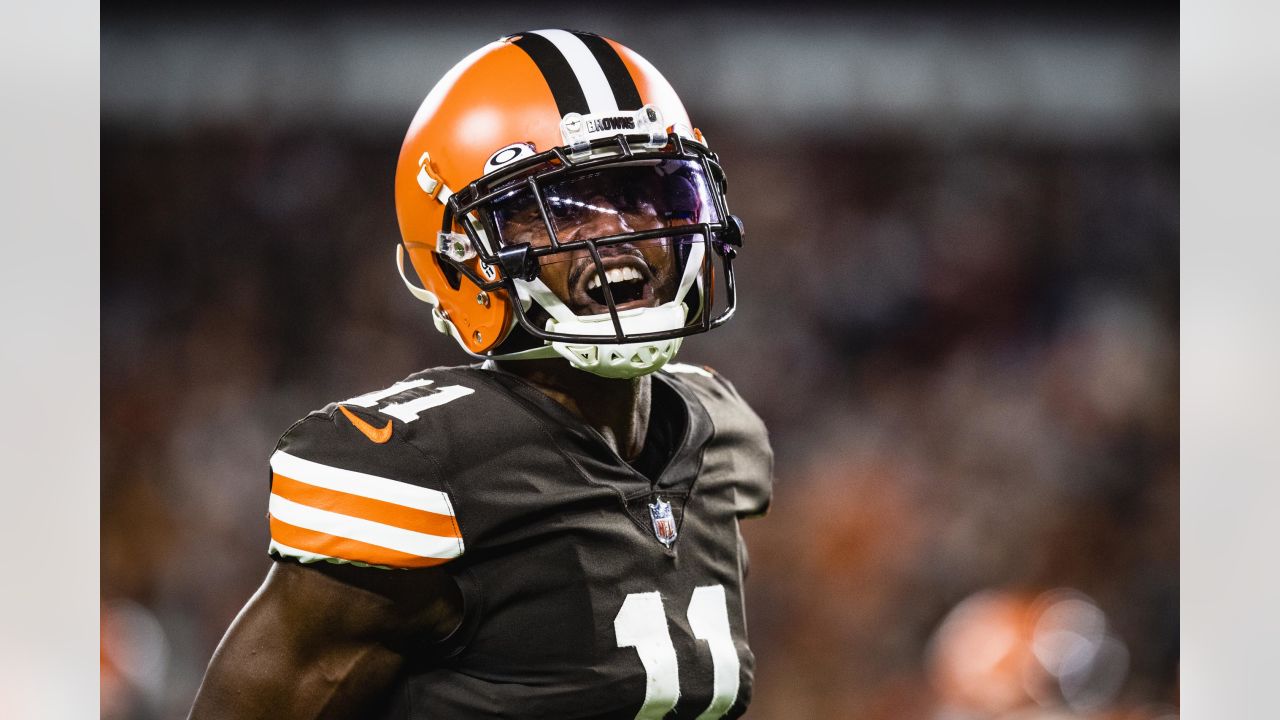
(556, 70)
(586, 68)
(623, 85)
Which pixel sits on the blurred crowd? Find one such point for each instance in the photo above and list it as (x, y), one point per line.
(966, 354)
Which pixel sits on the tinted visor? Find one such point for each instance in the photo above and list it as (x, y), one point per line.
(614, 202)
(603, 202)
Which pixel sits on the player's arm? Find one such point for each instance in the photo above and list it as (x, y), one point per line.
(324, 642)
(362, 527)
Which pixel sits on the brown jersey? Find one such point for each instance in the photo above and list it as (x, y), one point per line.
(592, 588)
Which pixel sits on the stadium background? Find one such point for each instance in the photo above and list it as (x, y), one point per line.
(959, 321)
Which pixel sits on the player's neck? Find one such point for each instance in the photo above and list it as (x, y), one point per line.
(617, 409)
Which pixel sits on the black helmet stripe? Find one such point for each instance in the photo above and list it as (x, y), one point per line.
(625, 93)
(559, 75)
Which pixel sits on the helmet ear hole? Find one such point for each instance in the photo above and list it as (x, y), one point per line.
(451, 274)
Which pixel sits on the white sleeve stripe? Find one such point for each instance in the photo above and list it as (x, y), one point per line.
(595, 86)
(278, 548)
(306, 556)
(362, 484)
(365, 531)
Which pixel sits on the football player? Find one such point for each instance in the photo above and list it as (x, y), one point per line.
(552, 532)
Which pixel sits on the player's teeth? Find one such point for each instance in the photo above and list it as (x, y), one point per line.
(614, 275)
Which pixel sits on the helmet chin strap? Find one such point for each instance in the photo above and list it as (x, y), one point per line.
(613, 360)
(610, 360)
(624, 360)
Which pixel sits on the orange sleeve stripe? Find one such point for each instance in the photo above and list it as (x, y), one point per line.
(345, 548)
(379, 511)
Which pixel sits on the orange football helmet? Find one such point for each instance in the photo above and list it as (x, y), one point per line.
(556, 202)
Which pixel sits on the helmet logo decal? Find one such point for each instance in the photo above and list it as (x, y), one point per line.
(507, 155)
(617, 122)
(578, 130)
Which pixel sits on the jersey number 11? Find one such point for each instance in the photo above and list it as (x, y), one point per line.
(641, 623)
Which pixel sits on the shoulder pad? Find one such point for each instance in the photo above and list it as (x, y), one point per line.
(712, 388)
(739, 452)
(675, 368)
(347, 487)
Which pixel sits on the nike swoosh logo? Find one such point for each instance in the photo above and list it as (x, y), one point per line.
(378, 435)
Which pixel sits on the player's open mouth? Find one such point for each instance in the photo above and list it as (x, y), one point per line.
(627, 276)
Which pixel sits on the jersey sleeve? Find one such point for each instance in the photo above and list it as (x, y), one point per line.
(342, 493)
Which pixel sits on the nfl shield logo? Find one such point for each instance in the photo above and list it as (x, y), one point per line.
(664, 525)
